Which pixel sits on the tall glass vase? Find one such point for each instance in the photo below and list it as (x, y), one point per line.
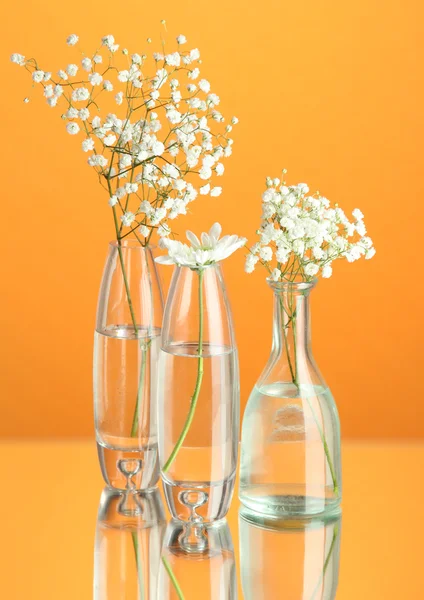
(126, 348)
(198, 396)
(290, 452)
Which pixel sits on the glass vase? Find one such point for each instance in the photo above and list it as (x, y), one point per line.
(198, 396)
(128, 546)
(126, 349)
(290, 451)
(289, 559)
(194, 568)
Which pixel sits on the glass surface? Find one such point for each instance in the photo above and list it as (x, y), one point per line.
(57, 540)
(126, 350)
(198, 396)
(290, 449)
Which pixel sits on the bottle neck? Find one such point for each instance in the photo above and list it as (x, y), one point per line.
(291, 328)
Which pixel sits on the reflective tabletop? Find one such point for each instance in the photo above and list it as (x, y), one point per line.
(65, 536)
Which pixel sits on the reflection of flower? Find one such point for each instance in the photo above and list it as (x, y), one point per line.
(206, 251)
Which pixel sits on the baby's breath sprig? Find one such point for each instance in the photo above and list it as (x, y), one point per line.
(304, 234)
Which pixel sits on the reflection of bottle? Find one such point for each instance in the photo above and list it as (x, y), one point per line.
(198, 562)
(128, 546)
(294, 560)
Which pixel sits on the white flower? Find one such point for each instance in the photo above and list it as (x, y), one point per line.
(216, 191)
(119, 98)
(80, 94)
(52, 101)
(72, 70)
(275, 275)
(266, 253)
(251, 261)
(158, 148)
(144, 231)
(194, 74)
(83, 114)
(327, 271)
(87, 144)
(96, 122)
(97, 59)
(113, 200)
(369, 253)
(18, 59)
(181, 39)
(173, 60)
(357, 214)
(86, 64)
(107, 85)
(311, 269)
(205, 172)
(164, 230)
(204, 85)
(95, 78)
(202, 253)
(205, 189)
(109, 140)
(72, 39)
(219, 169)
(97, 160)
(136, 59)
(58, 90)
(194, 54)
(234, 120)
(109, 42)
(38, 76)
(72, 128)
(127, 218)
(63, 75)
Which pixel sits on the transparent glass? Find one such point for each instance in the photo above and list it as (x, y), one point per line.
(290, 450)
(126, 348)
(289, 559)
(198, 396)
(128, 546)
(194, 568)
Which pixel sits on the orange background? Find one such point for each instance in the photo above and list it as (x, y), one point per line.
(330, 90)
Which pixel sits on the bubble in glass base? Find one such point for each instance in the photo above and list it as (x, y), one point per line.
(146, 475)
(203, 502)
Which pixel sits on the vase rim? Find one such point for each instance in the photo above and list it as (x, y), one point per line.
(132, 245)
(301, 286)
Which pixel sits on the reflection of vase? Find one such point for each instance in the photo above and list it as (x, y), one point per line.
(294, 560)
(198, 562)
(129, 318)
(198, 396)
(290, 450)
(128, 546)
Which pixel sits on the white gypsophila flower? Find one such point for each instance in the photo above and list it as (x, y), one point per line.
(234, 120)
(58, 90)
(62, 75)
(95, 79)
(275, 274)
(80, 94)
(52, 101)
(119, 98)
(47, 76)
(97, 59)
(87, 144)
(127, 218)
(136, 59)
(18, 59)
(266, 253)
(144, 231)
(107, 85)
(204, 85)
(173, 60)
(216, 191)
(164, 230)
(202, 253)
(72, 70)
(311, 269)
(181, 39)
(194, 74)
(205, 189)
(83, 114)
(327, 271)
(97, 160)
(219, 169)
(72, 39)
(72, 128)
(113, 200)
(109, 140)
(38, 76)
(86, 64)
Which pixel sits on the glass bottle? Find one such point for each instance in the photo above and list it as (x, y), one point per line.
(128, 546)
(198, 396)
(290, 450)
(126, 348)
(192, 571)
(296, 559)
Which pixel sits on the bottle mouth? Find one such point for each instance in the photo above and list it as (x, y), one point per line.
(132, 245)
(294, 286)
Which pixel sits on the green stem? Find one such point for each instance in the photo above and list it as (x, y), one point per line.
(327, 560)
(172, 578)
(144, 348)
(198, 385)
(138, 563)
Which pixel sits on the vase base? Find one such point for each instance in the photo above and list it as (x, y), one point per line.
(290, 505)
(129, 469)
(203, 501)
